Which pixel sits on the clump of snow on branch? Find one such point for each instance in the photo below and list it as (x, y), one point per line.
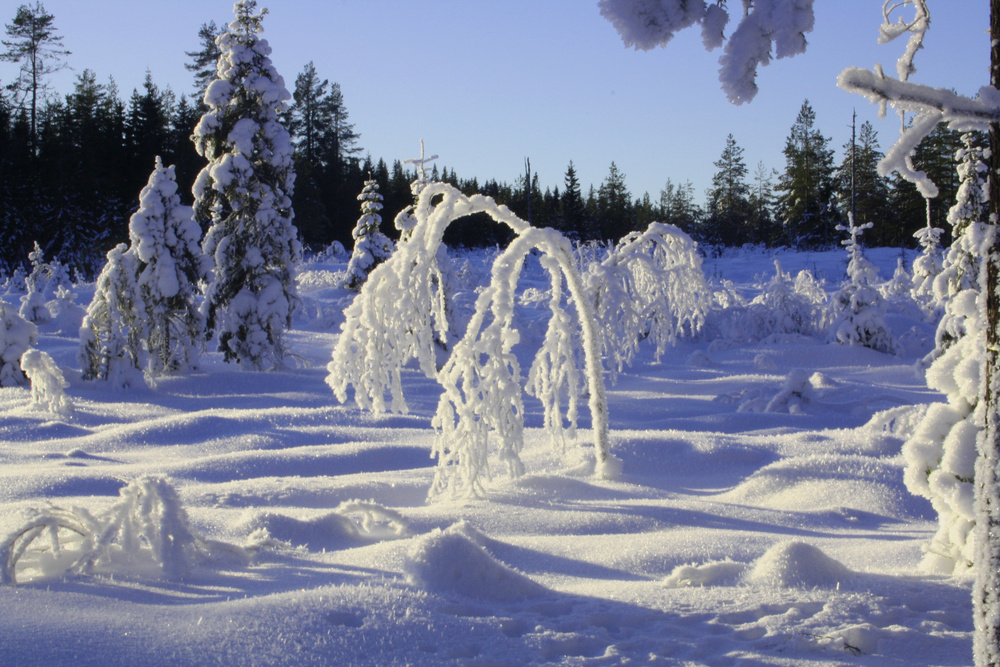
(47, 383)
(767, 28)
(401, 312)
(858, 310)
(650, 286)
(371, 246)
(244, 195)
(146, 533)
(16, 335)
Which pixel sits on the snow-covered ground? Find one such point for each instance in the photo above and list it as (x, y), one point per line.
(750, 526)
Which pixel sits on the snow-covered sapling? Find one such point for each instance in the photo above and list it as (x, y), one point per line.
(164, 239)
(650, 286)
(47, 383)
(114, 330)
(371, 246)
(44, 278)
(16, 336)
(784, 306)
(244, 194)
(858, 309)
(927, 266)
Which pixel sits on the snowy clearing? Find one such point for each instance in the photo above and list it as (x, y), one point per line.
(757, 521)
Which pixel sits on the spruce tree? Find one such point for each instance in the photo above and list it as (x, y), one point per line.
(806, 187)
(858, 175)
(572, 211)
(676, 206)
(728, 208)
(614, 204)
(245, 195)
(204, 60)
(371, 246)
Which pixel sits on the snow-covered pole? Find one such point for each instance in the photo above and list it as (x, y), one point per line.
(986, 591)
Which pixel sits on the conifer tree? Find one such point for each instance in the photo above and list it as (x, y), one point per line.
(371, 246)
(169, 264)
(572, 211)
(245, 195)
(806, 186)
(204, 60)
(614, 203)
(858, 174)
(728, 204)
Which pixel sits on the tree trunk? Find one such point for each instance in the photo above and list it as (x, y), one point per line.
(986, 592)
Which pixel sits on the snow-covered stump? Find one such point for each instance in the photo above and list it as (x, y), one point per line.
(651, 286)
(47, 383)
(401, 311)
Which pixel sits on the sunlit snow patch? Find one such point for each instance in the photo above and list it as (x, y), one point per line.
(798, 565)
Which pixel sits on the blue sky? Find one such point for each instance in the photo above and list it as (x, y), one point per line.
(488, 83)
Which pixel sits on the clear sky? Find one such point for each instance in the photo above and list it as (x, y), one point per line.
(487, 83)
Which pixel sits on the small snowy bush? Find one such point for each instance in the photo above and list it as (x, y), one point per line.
(371, 246)
(927, 266)
(16, 336)
(784, 306)
(651, 286)
(47, 383)
(40, 285)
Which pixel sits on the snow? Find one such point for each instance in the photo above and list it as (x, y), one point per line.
(304, 534)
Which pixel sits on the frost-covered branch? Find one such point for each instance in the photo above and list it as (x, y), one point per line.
(767, 26)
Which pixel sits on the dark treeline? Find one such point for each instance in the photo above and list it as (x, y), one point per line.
(71, 169)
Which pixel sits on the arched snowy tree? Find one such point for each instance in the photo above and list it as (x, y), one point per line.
(371, 246)
(245, 195)
(164, 239)
(400, 311)
(651, 286)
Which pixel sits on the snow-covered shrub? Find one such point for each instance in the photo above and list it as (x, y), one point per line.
(927, 266)
(164, 239)
(651, 286)
(797, 392)
(244, 194)
(371, 246)
(400, 311)
(40, 285)
(146, 533)
(16, 336)
(47, 383)
(113, 331)
(67, 315)
(784, 306)
(859, 318)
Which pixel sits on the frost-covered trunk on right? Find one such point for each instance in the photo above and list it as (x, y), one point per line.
(986, 592)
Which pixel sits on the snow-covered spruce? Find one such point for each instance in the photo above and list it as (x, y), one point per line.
(785, 305)
(170, 264)
(371, 246)
(400, 310)
(47, 383)
(650, 286)
(857, 306)
(244, 194)
(114, 330)
(40, 285)
(16, 336)
(927, 266)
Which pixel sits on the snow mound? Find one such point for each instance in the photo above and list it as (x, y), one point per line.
(351, 523)
(797, 565)
(717, 573)
(454, 561)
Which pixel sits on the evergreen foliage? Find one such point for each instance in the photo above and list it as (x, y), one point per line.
(371, 246)
(806, 186)
(728, 209)
(244, 194)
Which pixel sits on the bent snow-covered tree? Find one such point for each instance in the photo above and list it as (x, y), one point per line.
(16, 336)
(371, 246)
(244, 193)
(400, 311)
(651, 286)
